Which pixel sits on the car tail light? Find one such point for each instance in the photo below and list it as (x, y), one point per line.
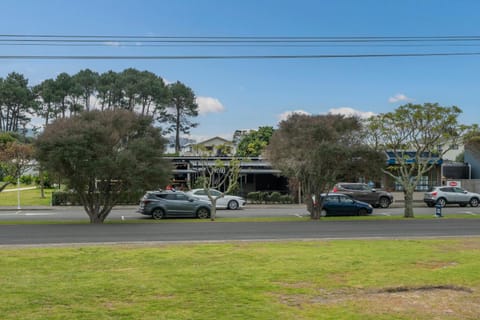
(434, 193)
(335, 189)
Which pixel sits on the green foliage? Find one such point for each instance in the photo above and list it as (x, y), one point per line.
(26, 179)
(102, 155)
(180, 106)
(318, 150)
(425, 131)
(253, 144)
(266, 197)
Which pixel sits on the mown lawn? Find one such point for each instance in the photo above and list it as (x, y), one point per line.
(27, 197)
(361, 279)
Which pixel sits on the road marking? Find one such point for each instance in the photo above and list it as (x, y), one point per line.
(35, 213)
(384, 214)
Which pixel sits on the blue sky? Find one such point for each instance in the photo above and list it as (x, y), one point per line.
(246, 94)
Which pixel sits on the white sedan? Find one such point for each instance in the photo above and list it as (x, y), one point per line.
(225, 202)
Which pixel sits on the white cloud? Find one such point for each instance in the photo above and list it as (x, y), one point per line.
(399, 97)
(285, 115)
(209, 105)
(351, 112)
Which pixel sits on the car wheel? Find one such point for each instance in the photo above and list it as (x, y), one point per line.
(474, 202)
(384, 202)
(232, 205)
(323, 213)
(158, 214)
(362, 212)
(203, 213)
(442, 202)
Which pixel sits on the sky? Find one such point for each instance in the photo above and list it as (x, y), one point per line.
(248, 93)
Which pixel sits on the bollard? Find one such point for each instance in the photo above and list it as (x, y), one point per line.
(438, 210)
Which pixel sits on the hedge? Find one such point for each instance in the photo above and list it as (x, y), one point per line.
(265, 197)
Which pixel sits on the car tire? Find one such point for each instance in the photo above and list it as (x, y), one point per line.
(442, 202)
(384, 202)
(474, 202)
(158, 214)
(323, 213)
(232, 205)
(362, 212)
(203, 213)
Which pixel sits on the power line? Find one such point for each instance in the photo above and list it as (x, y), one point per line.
(233, 57)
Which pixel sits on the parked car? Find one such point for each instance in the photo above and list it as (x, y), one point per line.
(446, 195)
(337, 204)
(225, 202)
(162, 204)
(365, 193)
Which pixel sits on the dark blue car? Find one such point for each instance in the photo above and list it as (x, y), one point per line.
(335, 204)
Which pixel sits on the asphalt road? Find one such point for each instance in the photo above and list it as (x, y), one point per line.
(233, 231)
(172, 231)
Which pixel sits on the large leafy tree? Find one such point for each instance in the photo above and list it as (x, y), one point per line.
(180, 107)
(86, 82)
(48, 100)
(16, 102)
(417, 136)
(103, 155)
(254, 142)
(15, 157)
(316, 151)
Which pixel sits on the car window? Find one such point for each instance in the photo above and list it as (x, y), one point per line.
(331, 199)
(215, 193)
(200, 193)
(446, 189)
(160, 195)
(345, 200)
(365, 187)
(181, 196)
(458, 190)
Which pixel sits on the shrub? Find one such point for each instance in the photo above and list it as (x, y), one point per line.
(253, 197)
(286, 198)
(26, 179)
(275, 197)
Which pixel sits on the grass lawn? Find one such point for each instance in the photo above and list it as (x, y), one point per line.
(27, 197)
(341, 279)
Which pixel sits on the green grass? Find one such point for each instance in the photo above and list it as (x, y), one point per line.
(361, 279)
(27, 197)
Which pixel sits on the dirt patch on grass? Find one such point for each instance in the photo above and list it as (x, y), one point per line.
(460, 245)
(428, 302)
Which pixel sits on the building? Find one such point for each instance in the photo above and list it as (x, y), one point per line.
(256, 174)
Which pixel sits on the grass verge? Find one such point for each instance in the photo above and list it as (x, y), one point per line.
(342, 279)
(27, 198)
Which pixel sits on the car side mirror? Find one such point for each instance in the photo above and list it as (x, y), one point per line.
(374, 190)
(191, 199)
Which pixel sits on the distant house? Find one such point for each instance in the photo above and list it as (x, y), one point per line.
(216, 147)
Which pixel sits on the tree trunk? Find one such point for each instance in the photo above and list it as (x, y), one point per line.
(408, 194)
(4, 186)
(213, 213)
(96, 219)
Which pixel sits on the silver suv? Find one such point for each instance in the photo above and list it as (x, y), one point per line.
(445, 195)
(363, 192)
(161, 204)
